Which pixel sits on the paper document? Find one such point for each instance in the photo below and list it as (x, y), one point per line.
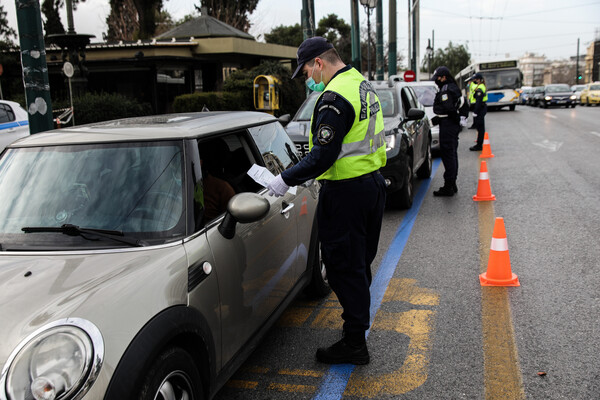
(263, 176)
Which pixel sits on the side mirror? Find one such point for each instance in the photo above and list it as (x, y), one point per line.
(415, 114)
(243, 208)
(284, 119)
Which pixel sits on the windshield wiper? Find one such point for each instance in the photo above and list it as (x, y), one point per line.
(74, 230)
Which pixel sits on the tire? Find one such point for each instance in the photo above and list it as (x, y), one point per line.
(403, 198)
(173, 375)
(511, 107)
(424, 170)
(318, 286)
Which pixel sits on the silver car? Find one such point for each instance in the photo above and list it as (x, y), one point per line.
(139, 260)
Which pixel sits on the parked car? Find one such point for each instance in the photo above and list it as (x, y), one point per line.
(426, 91)
(576, 89)
(525, 93)
(14, 123)
(535, 96)
(557, 94)
(591, 94)
(408, 138)
(299, 127)
(115, 283)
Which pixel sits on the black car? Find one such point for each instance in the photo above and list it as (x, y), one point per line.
(407, 135)
(557, 95)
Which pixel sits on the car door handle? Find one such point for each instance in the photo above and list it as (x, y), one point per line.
(286, 207)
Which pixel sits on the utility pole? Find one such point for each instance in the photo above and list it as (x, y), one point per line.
(379, 46)
(577, 64)
(308, 18)
(355, 33)
(35, 69)
(392, 55)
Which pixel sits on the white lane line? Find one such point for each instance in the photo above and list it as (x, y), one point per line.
(595, 133)
(550, 115)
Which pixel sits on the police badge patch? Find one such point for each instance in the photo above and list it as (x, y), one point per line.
(325, 134)
(444, 97)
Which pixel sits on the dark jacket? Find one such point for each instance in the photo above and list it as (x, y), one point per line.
(447, 102)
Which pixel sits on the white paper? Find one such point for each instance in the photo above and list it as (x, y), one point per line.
(263, 177)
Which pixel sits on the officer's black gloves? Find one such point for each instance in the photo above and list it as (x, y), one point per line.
(435, 120)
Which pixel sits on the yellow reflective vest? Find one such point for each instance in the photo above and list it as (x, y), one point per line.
(363, 147)
(474, 88)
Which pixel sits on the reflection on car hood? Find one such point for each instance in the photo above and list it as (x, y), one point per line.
(38, 289)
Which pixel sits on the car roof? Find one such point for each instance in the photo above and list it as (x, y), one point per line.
(148, 128)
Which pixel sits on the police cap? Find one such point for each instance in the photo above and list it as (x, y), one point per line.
(477, 76)
(441, 71)
(309, 49)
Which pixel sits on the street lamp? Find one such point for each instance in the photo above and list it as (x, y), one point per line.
(429, 52)
(369, 6)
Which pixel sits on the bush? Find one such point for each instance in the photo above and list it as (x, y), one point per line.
(96, 107)
(214, 101)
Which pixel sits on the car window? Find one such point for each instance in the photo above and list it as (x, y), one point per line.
(557, 89)
(407, 100)
(595, 87)
(413, 99)
(388, 103)
(276, 147)
(426, 94)
(131, 187)
(306, 111)
(6, 113)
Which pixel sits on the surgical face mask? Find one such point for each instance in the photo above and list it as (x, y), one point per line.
(312, 85)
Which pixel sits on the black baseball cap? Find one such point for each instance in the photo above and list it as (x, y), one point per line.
(440, 71)
(477, 76)
(309, 49)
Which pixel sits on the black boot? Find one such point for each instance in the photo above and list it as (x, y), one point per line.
(476, 148)
(454, 187)
(446, 191)
(345, 351)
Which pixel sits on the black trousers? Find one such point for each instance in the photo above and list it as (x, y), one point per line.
(479, 123)
(449, 131)
(349, 215)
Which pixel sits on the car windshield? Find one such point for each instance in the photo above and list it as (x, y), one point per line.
(307, 108)
(558, 89)
(388, 102)
(595, 87)
(135, 188)
(498, 80)
(426, 94)
(577, 88)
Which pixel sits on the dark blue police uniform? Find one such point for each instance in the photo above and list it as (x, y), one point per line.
(445, 107)
(349, 212)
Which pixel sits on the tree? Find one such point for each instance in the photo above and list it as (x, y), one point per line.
(6, 32)
(122, 21)
(337, 31)
(456, 58)
(50, 10)
(285, 35)
(147, 11)
(233, 12)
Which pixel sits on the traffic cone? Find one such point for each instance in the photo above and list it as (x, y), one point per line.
(498, 271)
(487, 150)
(484, 191)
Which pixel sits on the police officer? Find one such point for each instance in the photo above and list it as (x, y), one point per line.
(347, 148)
(446, 106)
(479, 99)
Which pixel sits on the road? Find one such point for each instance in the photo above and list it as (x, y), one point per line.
(437, 333)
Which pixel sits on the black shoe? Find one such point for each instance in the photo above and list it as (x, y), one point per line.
(445, 191)
(343, 353)
(455, 188)
(476, 148)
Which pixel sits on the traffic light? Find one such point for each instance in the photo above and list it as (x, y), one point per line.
(578, 78)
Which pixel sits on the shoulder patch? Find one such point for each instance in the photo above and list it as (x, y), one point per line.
(325, 134)
(329, 97)
(444, 97)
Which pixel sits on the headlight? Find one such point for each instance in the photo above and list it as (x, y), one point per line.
(58, 361)
(390, 141)
(548, 98)
(573, 97)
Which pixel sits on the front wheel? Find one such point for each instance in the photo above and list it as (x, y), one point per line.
(511, 107)
(403, 198)
(424, 170)
(173, 376)
(318, 286)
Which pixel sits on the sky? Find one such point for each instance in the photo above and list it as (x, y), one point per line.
(491, 29)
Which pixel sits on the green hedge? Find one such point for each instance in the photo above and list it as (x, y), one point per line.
(214, 101)
(96, 107)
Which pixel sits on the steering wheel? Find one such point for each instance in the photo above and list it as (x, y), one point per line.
(153, 213)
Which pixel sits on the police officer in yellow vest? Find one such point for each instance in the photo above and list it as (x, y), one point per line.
(478, 99)
(347, 149)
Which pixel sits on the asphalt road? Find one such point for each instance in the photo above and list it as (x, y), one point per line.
(437, 333)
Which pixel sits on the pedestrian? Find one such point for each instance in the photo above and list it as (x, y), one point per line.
(447, 106)
(471, 90)
(479, 100)
(347, 148)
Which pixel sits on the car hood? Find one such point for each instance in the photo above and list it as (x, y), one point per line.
(560, 94)
(38, 289)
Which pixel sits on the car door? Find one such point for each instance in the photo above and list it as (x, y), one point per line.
(10, 128)
(257, 268)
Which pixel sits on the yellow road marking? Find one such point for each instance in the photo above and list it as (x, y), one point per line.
(284, 387)
(502, 374)
(239, 384)
(301, 372)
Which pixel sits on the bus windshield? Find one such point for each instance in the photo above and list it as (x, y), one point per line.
(506, 79)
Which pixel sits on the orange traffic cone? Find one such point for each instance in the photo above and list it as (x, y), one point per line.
(484, 191)
(498, 271)
(487, 150)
